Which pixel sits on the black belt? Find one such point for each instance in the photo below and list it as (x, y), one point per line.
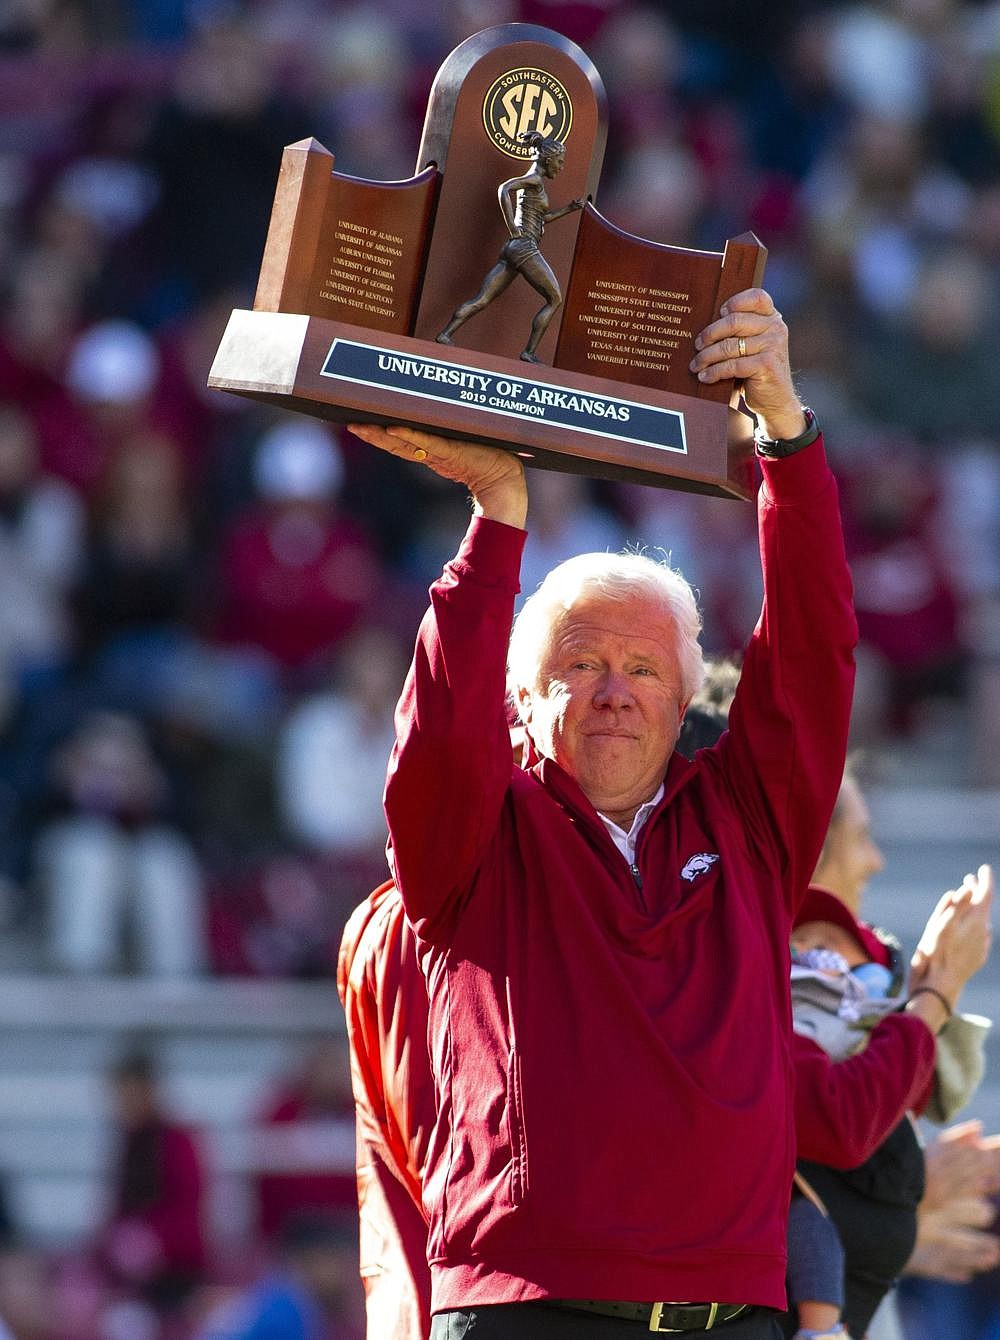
(662, 1318)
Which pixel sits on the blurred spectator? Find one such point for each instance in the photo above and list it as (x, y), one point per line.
(904, 592)
(937, 372)
(793, 124)
(136, 588)
(284, 917)
(26, 1306)
(126, 386)
(297, 574)
(112, 858)
(880, 61)
(359, 83)
(304, 1144)
(51, 27)
(122, 392)
(43, 302)
(212, 725)
(215, 148)
(41, 534)
(153, 1246)
(311, 1294)
(38, 324)
(346, 731)
(857, 202)
(582, 20)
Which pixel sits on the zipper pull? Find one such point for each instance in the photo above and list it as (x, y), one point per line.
(635, 875)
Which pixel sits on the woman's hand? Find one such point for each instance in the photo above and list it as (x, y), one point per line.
(957, 938)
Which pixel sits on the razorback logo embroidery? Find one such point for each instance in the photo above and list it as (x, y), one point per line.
(697, 865)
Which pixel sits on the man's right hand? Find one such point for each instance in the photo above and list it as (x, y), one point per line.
(494, 477)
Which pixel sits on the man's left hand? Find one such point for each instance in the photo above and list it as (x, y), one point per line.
(749, 343)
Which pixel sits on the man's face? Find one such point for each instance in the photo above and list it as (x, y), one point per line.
(607, 706)
(850, 857)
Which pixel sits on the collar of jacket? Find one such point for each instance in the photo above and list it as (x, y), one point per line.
(566, 791)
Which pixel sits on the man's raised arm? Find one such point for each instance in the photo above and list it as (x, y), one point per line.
(784, 755)
(452, 762)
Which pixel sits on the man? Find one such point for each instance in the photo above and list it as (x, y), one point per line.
(609, 1037)
(604, 931)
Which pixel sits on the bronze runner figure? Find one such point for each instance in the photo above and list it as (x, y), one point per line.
(525, 208)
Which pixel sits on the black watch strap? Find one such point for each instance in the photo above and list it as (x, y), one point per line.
(778, 448)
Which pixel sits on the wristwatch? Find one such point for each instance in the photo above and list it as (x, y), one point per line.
(778, 448)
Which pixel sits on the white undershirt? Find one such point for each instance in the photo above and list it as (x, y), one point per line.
(625, 842)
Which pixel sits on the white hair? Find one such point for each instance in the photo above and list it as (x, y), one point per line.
(610, 577)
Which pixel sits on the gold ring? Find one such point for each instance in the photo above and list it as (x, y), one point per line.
(419, 454)
(741, 345)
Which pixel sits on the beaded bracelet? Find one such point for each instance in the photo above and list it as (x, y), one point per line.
(933, 991)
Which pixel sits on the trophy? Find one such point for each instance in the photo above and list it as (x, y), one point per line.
(487, 298)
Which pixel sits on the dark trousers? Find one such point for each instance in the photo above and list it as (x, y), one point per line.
(535, 1321)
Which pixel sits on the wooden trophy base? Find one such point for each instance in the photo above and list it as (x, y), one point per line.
(552, 417)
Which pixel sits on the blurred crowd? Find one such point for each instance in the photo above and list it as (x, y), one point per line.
(206, 606)
(159, 1267)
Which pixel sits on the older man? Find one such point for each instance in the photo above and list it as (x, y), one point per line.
(604, 931)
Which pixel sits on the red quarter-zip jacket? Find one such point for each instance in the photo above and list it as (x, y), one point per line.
(612, 1054)
(385, 1003)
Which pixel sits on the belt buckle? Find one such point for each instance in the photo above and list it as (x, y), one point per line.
(657, 1313)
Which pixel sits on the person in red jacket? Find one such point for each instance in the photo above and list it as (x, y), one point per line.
(604, 931)
(385, 1001)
